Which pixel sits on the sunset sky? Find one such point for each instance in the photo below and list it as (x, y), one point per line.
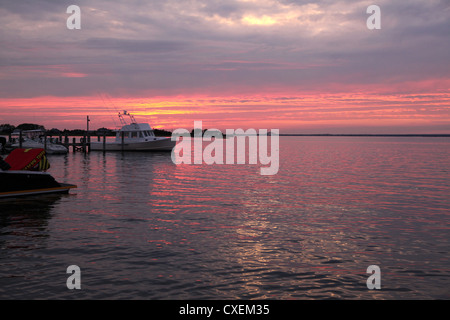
(297, 66)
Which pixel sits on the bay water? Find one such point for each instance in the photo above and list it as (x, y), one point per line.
(140, 227)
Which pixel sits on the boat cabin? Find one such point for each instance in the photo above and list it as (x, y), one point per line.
(135, 132)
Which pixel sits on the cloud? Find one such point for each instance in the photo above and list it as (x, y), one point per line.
(222, 48)
(131, 45)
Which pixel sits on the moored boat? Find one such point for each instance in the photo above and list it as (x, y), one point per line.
(22, 173)
(35, 139)
(134, 137)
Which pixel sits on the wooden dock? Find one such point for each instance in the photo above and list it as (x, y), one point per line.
(74, 144)
(82, 145)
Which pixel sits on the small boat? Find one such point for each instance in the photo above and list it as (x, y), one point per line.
(134, 137)
(35, 139)
(22, 173)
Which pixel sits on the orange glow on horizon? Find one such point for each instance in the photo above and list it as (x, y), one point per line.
(270, 111)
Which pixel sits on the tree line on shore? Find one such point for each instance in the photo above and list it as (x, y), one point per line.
(7, 129)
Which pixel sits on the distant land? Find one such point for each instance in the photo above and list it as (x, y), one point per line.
(365, 135)
(7, 129)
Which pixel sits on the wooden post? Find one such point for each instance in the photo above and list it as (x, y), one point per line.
(66, 141)
(87, 139)
(74, 143)
(104, 141)
(123, 139)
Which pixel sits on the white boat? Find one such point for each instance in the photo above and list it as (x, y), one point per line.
(34, 139)
(134, 137)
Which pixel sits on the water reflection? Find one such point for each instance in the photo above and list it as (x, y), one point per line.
(24, 221)
(335, 207)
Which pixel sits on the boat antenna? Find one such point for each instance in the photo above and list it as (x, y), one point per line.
(122, 120)
(126, 113)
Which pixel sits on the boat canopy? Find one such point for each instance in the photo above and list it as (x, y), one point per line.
(133, 131)
(136, 127)
(28, 159)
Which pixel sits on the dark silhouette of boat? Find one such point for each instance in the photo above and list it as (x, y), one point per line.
(23, 172)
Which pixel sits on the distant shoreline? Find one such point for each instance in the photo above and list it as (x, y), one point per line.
(309, 135)
(159, 132)
(362, 135)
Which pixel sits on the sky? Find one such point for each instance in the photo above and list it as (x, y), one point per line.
(296, 66)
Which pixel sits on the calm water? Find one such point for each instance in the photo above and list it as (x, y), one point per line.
(140, 227)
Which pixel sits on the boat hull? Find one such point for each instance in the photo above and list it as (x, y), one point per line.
(23, 183)
(165, 144)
